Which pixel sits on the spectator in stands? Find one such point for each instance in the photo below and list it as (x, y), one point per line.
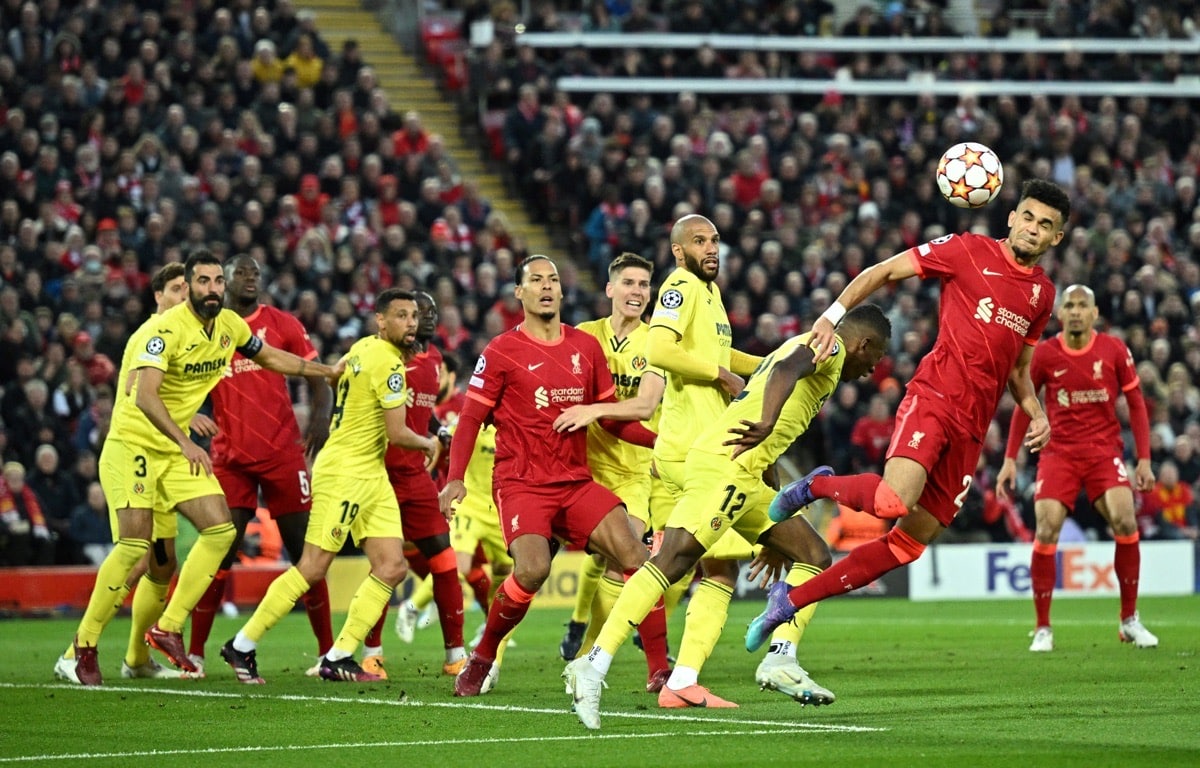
(90, 529)
(24, 537)
(58, 495)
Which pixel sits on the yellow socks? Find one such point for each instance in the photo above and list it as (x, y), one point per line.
(110, 591)
(148, 602)
(197, 573)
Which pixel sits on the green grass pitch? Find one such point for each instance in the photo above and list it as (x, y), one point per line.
(942, 684)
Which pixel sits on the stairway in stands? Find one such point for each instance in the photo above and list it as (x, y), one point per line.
(409, 87)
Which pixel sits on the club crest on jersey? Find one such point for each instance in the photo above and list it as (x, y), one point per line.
(261, 333)
(576, 368)
(139, 489)
(672, 299)
(915, 442)
(715, 523)
(395, 382)
(225, 341)
(156, 345)
(1098, 369)
(335, 532)
(1036, 296)
(515, 524)
(638, 363)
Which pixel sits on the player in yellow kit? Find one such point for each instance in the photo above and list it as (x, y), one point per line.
(149, 462)
(621, 467)
(351, 496)
(724, 489)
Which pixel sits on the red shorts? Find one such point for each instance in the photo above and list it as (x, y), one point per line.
(417, 495)
(567, 511)
(284, 480)
(933, 439)
(1060, 477)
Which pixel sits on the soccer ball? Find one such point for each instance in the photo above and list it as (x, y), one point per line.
(969, 175)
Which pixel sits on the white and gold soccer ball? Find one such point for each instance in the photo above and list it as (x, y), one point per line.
(970, 175)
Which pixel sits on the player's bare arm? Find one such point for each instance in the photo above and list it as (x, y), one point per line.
(871, 279)
(1020, 385)
(150, 403)
(320, 398)
(664, 351)
(400, 435)
(204, 426)
(640, 407)
(281, 361)
(778, 387)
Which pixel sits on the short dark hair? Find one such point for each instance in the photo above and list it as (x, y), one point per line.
(164, 275)
(520, 276)
(1049, 193)
(387, 296)
(626, 260)
(451, 361)
(198, 257)
(871, 319)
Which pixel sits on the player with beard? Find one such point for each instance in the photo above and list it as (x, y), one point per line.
(541, 483)
(1084, 372)
(424, 524)
(351, 496)
(149, 460)
(995, 303)
(258, 448)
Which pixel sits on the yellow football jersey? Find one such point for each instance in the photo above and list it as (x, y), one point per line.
(372, 383)
(694, 310)
(192, 361)
(608, 455)
(797, 413)
(478, 477)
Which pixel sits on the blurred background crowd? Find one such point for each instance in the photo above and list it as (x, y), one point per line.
(133, 133)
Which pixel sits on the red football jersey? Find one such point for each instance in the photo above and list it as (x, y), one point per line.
(423, 376)
(1082, 387)
(251, 405)
(527, 383)
(991, 307)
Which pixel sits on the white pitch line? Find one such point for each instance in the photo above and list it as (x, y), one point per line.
(378, 745)
(791, 726)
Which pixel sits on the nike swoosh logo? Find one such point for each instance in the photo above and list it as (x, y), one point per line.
(690, 703)
(1059, 373)
(535, 366)
(191, 347)
(990, 273)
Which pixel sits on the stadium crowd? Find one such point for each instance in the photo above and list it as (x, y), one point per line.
(134, 133)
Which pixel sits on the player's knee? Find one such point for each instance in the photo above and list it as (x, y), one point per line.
(221, 535)
(389, 571)
(531, 575)
(903, 547)
(161, 572)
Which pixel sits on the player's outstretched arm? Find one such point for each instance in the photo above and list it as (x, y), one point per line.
(779, 385)
(640, 407)
(281, 361)
(1020, 385)
(400, 435)
(898, 267)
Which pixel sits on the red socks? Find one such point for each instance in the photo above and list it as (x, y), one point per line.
(867, 492)
(863, 565)
(509, 607)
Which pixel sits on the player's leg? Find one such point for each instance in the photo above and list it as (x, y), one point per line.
(150, 600)
(210, 602)
(586, 594)
(130, 482)
(901, 545)
(531, 566)
(1116, 505)
(1043, 565)
(292, 528)
(132, 544)
(780, 668)
(447, 596)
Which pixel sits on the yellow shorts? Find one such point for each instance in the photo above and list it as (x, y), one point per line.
(662, 503)
(720, 497)
(362, 507)
(632, 490)
(135, 478)
(476, 523)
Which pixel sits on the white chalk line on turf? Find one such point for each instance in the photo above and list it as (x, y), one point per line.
(257, 748)
(790, 726)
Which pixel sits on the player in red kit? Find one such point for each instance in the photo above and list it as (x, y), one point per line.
(541, 484)
(420, 516)
(258, 447)
(995, 303)
(1084, 372)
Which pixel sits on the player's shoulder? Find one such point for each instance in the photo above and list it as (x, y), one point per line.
(594, 327)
